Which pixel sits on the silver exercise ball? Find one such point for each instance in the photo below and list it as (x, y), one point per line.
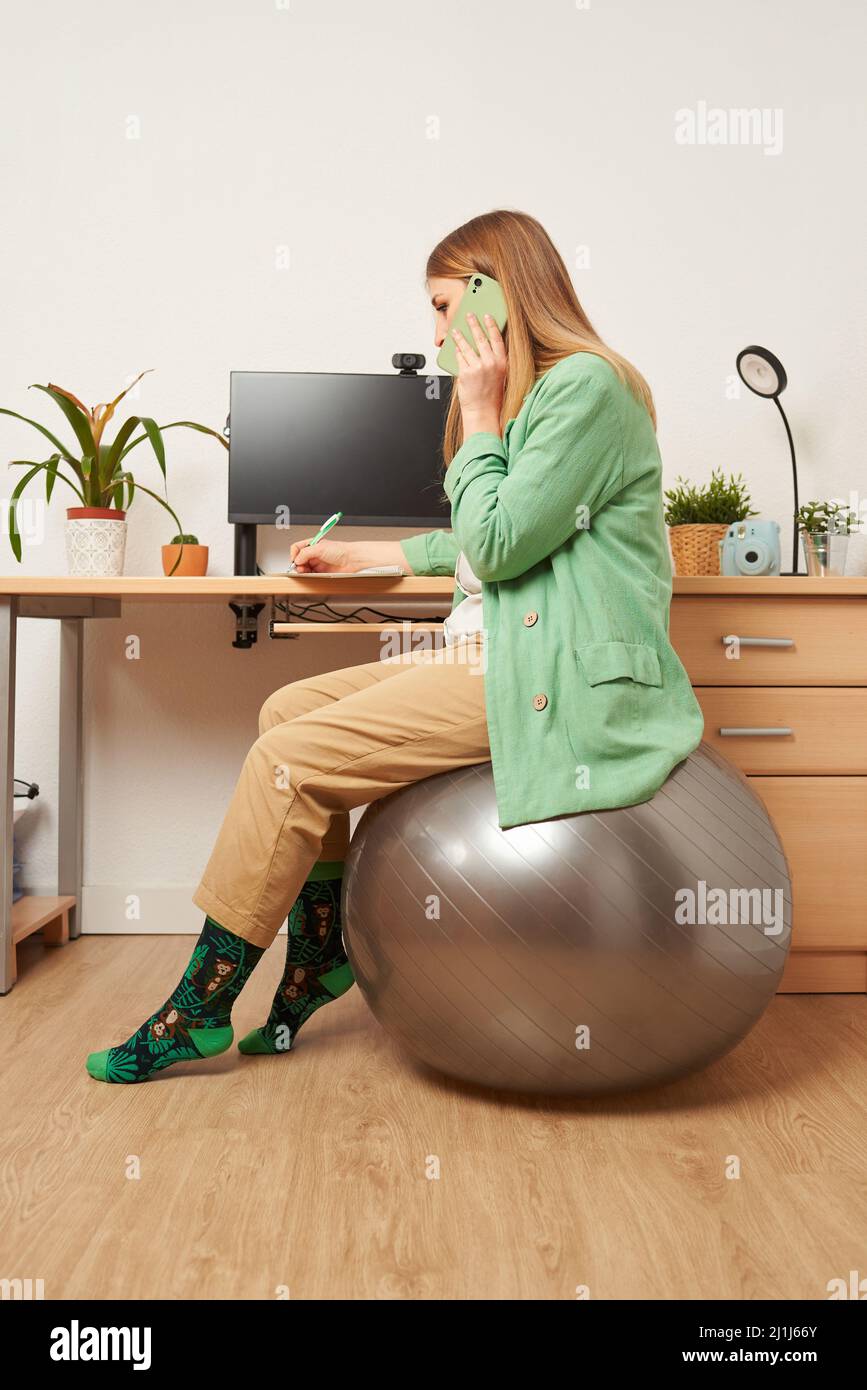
(574, 956)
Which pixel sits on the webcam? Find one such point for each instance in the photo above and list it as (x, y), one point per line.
(408, 363)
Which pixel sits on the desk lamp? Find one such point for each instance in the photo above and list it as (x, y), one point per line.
(765, 375)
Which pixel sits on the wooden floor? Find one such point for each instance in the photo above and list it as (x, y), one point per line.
(309, 1170)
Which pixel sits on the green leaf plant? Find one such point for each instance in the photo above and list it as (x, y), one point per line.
(716, 503)
(819, 518)
(93, 468)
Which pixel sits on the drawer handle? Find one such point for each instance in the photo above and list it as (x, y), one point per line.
(759, 641)
(755, 733)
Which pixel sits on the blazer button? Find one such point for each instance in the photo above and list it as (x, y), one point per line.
(540, 701)
(530, 618)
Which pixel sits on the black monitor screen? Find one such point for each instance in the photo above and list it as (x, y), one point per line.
(306, 444)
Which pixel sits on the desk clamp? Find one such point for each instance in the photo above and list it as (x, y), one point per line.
(246, 623)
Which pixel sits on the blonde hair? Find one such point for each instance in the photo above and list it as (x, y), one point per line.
(546, 321)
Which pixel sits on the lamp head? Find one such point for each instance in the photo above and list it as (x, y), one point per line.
(761, 371)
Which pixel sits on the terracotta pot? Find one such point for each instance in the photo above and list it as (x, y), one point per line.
(95, 541)
(104, 513)
(194, 560)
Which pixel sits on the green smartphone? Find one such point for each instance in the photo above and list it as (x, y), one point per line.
(482, 296)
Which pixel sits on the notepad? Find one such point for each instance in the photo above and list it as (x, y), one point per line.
(394, 570)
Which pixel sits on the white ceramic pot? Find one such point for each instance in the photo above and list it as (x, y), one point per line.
(95, 541)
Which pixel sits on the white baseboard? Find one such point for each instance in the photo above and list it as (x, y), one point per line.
(110, 911)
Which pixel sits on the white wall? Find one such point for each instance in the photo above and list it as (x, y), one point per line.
(307, 126)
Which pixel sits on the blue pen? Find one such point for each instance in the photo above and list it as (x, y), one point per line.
(323, 531)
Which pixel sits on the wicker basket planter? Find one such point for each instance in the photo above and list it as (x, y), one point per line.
(695, 549)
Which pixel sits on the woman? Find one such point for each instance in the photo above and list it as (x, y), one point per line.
(563, 584)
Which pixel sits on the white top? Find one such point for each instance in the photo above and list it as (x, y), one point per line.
(466, 618)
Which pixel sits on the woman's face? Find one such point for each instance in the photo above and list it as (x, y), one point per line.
(445, 297)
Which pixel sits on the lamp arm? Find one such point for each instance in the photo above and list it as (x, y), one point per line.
(776, 400)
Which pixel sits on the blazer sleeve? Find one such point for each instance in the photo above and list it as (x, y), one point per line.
(509, 514)
(433, 552)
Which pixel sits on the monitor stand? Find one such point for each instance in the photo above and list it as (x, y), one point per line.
(245, 547)
(246, 614)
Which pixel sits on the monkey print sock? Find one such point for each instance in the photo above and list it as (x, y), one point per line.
(195, 1021)
(317, 969)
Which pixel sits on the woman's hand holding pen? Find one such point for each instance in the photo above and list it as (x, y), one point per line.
(345, 557)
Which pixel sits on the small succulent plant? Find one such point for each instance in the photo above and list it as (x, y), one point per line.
(821, 518)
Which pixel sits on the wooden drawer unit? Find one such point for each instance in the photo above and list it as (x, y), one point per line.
(821, 823)
(783, 641)
(787, 703)
(768, 729)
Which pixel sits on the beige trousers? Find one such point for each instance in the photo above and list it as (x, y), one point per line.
(328, 744)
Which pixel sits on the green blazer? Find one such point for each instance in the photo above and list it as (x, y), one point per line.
(588, 704)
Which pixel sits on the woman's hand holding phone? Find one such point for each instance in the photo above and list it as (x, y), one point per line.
(481, 377)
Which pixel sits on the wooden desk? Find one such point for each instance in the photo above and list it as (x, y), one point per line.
(813, 779)
(220, 588)
(74, 601)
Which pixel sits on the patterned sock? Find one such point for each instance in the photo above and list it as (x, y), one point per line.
(317, 969)
(195, 1020)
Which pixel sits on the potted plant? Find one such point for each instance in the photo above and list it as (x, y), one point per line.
(825, 528)
(184, 556)
(95, 470)
(698, 518)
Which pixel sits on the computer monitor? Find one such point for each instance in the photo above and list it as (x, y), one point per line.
(306, 444)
